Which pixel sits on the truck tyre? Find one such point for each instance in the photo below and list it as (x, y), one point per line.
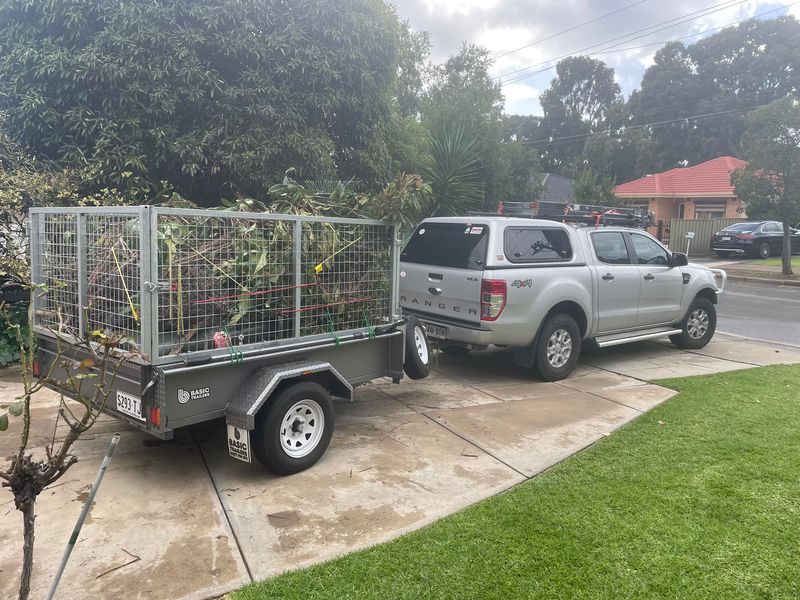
(558, 347)
(294, 429)
(698, 326)
(417, 364)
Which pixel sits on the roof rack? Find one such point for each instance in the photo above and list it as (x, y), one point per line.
(578, 214)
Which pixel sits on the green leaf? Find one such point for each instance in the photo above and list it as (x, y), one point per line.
(4, 422)
(16, 409)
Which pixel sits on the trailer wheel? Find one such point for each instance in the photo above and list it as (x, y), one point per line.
(417, 364)
(294, 429)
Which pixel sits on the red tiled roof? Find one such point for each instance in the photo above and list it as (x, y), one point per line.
(711, 178)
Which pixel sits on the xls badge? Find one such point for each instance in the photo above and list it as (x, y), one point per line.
(185, 396)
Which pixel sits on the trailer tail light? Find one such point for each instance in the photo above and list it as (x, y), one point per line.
(493, 298)
(155, 416)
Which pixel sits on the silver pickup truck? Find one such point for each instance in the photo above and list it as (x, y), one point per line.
(545, 288)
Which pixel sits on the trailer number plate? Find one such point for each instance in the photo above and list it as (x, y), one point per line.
(239, 443)
(129, 405)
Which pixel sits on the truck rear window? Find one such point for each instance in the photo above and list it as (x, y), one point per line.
(536, 244)
(454, 245)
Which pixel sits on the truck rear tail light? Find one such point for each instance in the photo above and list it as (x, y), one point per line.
(493, 298)
(155, 416)
(36, 369)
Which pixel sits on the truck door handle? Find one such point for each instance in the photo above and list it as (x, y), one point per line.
(649, 277)
(608, 277)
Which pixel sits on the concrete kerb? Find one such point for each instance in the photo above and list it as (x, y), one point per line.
(769, 281)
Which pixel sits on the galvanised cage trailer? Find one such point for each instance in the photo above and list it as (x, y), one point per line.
(259, 318)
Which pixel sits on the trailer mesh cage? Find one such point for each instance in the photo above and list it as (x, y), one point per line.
(174, 282)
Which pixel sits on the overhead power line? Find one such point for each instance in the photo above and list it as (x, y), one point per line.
(552, 141)
(692, 35)
(622, 39)
(573, 28)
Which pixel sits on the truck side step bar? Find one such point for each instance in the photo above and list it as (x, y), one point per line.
(647, 334)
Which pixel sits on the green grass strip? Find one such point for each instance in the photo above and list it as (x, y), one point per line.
(699, 498)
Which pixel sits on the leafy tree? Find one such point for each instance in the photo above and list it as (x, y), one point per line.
(592, 187)
(214, 96)
(463, 95)
(770, 184)
(413, 50)
(576, 103)
(670, 89)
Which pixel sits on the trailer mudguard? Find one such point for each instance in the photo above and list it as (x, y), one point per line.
(255, 391)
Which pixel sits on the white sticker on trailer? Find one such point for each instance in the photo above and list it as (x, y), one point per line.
(239, 443)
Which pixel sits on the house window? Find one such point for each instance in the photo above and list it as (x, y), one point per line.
(709, 209)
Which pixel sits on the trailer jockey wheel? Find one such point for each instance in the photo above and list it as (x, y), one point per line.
(417, 364)
(293, 430)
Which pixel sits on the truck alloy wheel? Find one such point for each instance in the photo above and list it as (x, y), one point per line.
(559, 348)
(697, 324)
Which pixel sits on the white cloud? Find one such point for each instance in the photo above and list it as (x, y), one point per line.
(503, 25)
(522, 99)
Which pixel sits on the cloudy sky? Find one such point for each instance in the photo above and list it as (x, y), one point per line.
(626, 39)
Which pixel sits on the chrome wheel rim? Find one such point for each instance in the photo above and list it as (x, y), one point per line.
(559, 348)
(301, 428)
(697, 324)
(421, 346)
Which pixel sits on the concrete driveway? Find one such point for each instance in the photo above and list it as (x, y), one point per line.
(182, 520)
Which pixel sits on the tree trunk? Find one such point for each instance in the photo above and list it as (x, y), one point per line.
(29, 515)
(786, 257)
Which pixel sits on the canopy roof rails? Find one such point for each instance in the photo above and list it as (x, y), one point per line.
(578, 214)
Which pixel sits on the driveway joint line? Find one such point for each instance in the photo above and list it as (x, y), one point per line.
(639, 410)
(222, 506)
(473, 443)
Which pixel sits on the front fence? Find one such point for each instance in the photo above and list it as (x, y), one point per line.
(703, 230)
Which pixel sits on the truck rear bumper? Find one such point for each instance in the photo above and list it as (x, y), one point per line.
(444, 331)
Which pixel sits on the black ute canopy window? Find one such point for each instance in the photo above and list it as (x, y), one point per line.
(454, 245)
(536, 244)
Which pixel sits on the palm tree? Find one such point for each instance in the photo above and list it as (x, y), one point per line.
(454, 175)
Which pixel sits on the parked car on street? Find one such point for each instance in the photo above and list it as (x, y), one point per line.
(544, 287)
(759, 239)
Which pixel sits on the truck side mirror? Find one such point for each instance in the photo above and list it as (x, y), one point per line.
(679, 259)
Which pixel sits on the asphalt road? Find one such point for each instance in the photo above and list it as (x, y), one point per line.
(760, 311)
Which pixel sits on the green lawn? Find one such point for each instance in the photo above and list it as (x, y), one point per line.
(699, 498)
(776, 262)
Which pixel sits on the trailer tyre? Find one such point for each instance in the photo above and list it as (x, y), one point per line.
(294, 429)
(417, 364)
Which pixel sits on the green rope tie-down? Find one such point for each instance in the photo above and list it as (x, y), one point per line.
(236, 355)
(332, 327)
(370, 328)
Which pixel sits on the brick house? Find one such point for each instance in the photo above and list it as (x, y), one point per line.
(702, 191)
